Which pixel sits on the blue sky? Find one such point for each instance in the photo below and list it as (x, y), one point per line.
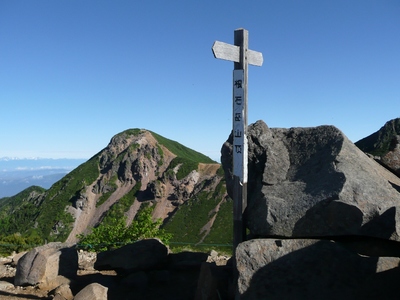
(75, 73)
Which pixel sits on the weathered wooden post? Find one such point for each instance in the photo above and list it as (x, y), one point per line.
(241, 56)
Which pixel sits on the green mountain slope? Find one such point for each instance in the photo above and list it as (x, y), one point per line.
(378, 143)
(185, 188)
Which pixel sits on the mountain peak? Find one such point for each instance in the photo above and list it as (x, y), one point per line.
(138, 167)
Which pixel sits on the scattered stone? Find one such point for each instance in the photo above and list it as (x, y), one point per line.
(5, 285)
(93, 291)
(63, 292)
(86, 260)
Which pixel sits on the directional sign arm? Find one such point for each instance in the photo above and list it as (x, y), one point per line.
(232, 53)
(254, 58)
(226, 51)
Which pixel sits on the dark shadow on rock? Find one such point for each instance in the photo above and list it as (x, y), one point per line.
(369, 246)
(109, 281)
(176, 279)
(329, 218)
(140, 255)
(395, 186)
(68, 263)
(324, 270)
(334, 269)
(382, 226)
(383, 285)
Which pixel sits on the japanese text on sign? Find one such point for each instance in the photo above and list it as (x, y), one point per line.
(239, 137)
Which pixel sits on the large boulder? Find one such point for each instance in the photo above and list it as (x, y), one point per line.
(314, 182)
(312, 269)
(45, 263)
(141, 255)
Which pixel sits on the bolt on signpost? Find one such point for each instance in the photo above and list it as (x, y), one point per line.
(242, 57)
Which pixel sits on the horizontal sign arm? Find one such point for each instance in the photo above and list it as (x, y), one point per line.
(231, 52)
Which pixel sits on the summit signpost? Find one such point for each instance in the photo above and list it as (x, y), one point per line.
(242, 57)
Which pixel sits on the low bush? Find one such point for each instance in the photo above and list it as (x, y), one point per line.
(116, 234)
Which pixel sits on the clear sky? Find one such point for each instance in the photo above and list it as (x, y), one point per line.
(73, 73)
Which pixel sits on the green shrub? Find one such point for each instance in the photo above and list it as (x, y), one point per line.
(116, 234)
(18, 243)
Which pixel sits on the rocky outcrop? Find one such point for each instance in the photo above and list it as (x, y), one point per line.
(313, 182)
(326, 217)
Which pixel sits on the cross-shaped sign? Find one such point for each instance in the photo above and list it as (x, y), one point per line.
(242, 57)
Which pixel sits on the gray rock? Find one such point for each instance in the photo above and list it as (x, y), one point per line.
(63, 292)
(141, 255)
(5, 285)
(313, 182)
(93, 291)
(16, 258)
(311, 269)
(46, 263)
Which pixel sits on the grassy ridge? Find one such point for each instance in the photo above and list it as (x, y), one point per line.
(182, 151)
(17, 214)
(379, 142)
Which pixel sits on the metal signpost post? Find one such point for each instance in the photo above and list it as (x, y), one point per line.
(242, 57)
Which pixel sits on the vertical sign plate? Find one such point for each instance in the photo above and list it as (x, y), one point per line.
(239, 129)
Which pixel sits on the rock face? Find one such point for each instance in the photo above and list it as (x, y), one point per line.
(44, 264)
(312, 269)
(326, 215)
(313, 182)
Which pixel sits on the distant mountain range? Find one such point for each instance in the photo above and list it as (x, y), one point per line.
(17, 174)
